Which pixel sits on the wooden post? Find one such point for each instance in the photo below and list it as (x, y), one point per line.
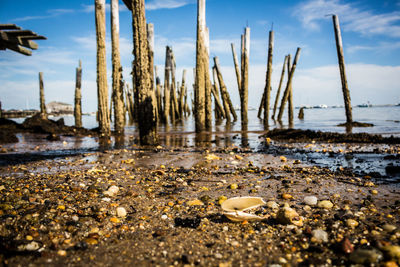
(244, 88)
(174, 102)
(220, 112)
(208, 85)
(118, 95)
(158, 94)
(102, 91)
(167, 71)
(147, 104)
(1, 111)
(43, 112)
(290, 98)
(78, 97)
(150, 42)
(224, 93)
(267, 88)
(200, 83)
(129, 103)
(280, 85)
(236, 63)
(290, 78)
(345, 88)
(182, 94)
(261, 107)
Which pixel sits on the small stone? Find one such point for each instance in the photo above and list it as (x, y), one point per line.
(374, 191)
(392, 252)
(389, 227)
(390, 264)
(91, 241)
(311, 200)
(29, 238)
(287, 215)
(233, 186)
(325, 204)
(121, 212)
(62, 253)
(366, 256)
(218, 256)
(112, 191)
(75, 218)
(221, 199)
(346, 246)
(287, 196)
(320, 236)
(225, 228)
(283, 158)
(32, 246)
(195, 202)
(115, 220)
(235, 243)
(272, 205)
(351, 223)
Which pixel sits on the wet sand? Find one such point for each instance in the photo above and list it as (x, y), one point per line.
(59, 210)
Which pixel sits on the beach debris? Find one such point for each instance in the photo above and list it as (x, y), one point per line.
(319, 236)
(234, 208)
(195, 202)
(287, 215)
(366, 256)
(211, 157)
(121, 212)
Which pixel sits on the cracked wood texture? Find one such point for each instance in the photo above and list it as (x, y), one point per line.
(78, 97)
(102, 90)
(147, 117)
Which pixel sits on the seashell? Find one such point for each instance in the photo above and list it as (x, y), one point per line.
(239, 216)
(242, 203)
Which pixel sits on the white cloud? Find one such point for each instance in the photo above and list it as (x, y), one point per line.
(51, 14)
(365, 22)
(167, 4)
(381, 48)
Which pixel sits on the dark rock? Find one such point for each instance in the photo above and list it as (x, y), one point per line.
(187, 222)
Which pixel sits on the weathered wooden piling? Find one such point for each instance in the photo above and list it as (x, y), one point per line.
(117, 89)
(208, 88)
(280, 86)
(244, 88)
(290, 97)
(236, 63)
(102, 91)
(288, 84)
(267, 88)
(147, 118)
(219, 109)
(174, 102)
(129, 103)
(158, 94)
(261, 107)
(228, 106)
(78, 96)
(182, 94)
(342, 69)
(167, 71)
(200, 82)
(301, 113)
(43, 112)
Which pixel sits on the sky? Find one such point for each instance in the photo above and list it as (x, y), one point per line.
(370, 32)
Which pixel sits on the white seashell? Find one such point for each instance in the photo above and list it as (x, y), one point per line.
(242, 203)
(239, 216)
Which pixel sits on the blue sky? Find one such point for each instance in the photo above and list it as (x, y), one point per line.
(370, 31)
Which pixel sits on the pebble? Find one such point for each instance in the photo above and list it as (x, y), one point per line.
(121, 212)
(392, 252)
(75, 218)
(366, 256)
(112, 191)
(164, 217)
(218, 256)
(32, 246)
(351, 223)
(311, 200)
(195, 202)
(287, 215)
(320, 235)
(272, 205)
(389, 227)
(287, 196)
(62, 252)
(325, 204)
(233, 186)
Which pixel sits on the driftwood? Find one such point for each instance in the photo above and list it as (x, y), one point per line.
(14, 38)
(102, 91)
